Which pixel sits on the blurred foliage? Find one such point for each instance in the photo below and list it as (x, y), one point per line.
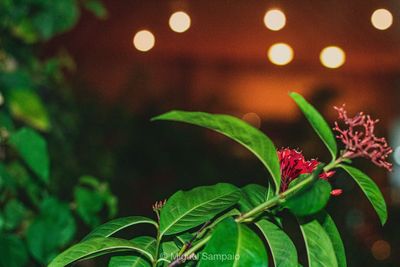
(36, 219)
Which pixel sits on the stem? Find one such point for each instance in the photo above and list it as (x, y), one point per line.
(190, 252)
(158, 241)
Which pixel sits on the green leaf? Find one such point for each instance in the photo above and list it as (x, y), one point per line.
(251, 138)
(370, 189)
(95, 247)
(33, 150)
(116, 225)
(310, 200)
(96, 7)
(14, 213)
(233, 244)
(252, 195)
(282, 248)
(26, 106)
(320, 126)
(50, 231)
(12, 251)
(169, 251)
(330, 228)
(128, 261)
(88, 204)
(320, 251)
(185, 210)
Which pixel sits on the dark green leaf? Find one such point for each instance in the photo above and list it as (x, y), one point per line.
(282, 248)
(320, 126)
(254, 140)
(233, 244)
(26, 106)
(330, 228)
(95, 247)
(33, 149)
(116, 225)
(12, 251)
(252, 195)
(370, 189)
(310, 200)
(50, 231)
(320, 251)
(188, 209)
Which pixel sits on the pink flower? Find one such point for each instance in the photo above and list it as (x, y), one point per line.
(293, 163)
(360, 140)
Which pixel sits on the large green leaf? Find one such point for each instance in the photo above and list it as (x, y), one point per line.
(12, 251)
(330, 228)
(187, 209)
(320, 251)
(253, 139)
(282, 248)
(146, 244)
(233, 244)
(370, 189)
(252, 195)
(310, 200)
(50, 231)
(116, 225)
(26, 105)
(169, 252)
(128, 261)
(33, 149)
(95, 247)
(320, 126)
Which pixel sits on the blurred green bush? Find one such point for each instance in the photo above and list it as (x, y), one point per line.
(39, 214)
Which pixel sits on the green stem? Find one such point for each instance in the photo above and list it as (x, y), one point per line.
(158, 241)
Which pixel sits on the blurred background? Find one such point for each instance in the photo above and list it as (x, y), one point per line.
(104, 69)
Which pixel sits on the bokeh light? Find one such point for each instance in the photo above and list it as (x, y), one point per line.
(332, 57)
(144, 40)
(179, 21)
(382, 19)
(381, 250)
(274, 19)
(253, 119)
(280, 54)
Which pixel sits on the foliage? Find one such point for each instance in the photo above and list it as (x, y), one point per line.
(35, 221)
(223, 225)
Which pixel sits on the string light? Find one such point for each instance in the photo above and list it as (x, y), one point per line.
(179, 22)
(280, 54)
(332, 57)
(382, 19)
(274, 19)
(143, 40)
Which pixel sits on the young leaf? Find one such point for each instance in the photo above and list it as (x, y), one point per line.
(98, 246)
(252, 195)
(26, 105)
(111, 227)
(320, 251)
(282, 248)
(311, 200)
(185, 210)
(370, 189)
(320, 126)
(251, 138)
(330, 228)
(33, 150)
(233, 244)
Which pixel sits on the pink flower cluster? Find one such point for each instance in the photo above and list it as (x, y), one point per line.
(293, 163)
(360, 140)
